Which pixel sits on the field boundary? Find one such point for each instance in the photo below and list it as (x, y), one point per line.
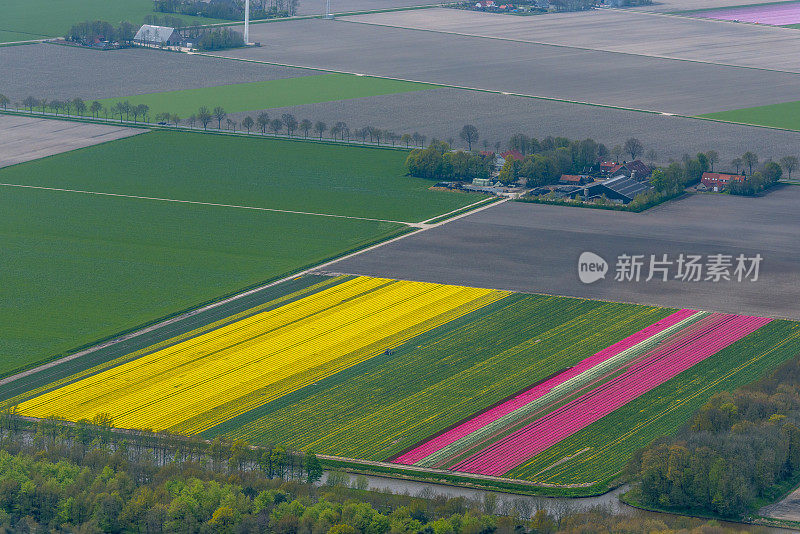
(214, 204)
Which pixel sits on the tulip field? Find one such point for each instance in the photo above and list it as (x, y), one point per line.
(554, 390)
(202, 381)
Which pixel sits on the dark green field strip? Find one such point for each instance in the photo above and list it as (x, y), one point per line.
(279, 93)
(612, 440)
(784, 115)
(247, 305)
(444, 376)
(248, 171)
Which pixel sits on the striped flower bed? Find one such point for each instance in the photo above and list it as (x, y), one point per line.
(502, 437)
(692, 346)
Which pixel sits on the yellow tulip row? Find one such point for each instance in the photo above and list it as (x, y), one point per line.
(319, 286)
(261, 357)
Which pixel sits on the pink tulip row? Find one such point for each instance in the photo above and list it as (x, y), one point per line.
(695, 344)
(429, 447)
(776, 14)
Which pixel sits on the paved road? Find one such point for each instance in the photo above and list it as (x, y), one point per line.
(535, 248)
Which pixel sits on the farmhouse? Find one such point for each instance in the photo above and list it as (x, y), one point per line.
(717, 181)
(149, 35)
(618, 189)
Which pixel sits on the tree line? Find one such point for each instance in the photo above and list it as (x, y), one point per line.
(88, 32)
(259, 9)
(739, 449)
(87, 478)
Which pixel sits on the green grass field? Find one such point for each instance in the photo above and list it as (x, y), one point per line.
(380, 407)
(785, 115)
(77, 268)
(53, 18)
(270, 94)
(270, 173)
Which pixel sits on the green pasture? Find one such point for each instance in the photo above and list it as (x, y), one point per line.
(269, 94)
(26, 19)
(77, 268)
(785, 115)
(257, 172)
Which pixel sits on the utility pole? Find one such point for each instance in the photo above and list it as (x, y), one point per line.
(246, 22)
(328, 14)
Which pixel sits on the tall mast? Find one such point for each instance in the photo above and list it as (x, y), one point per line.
(246, 21)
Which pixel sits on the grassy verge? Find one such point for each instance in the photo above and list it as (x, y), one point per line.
(464, 480)
(490, 200)
(637, 208)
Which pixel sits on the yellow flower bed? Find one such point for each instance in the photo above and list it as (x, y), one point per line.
(205, 380)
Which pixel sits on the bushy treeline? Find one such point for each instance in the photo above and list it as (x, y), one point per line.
(92, 30)
(739, 448)
(38, 494)
(546, 160)
(219, 39)
(439, 163)
(758, 181)
(227, 10)
(678, 175)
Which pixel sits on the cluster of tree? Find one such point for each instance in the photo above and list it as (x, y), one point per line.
(545, 161)
(766, 175)
(218, 39)
(678, 175)
(90, 32)
(229, 9)
(166, 20)
(738, 448)
(438, 162)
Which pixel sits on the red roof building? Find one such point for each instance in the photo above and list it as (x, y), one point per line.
(574, 179)
(719, 181)
(513, 154)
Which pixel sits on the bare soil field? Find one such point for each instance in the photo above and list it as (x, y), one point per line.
(535, 248)
(624, 80)
(442, 112)
(317, 7)
(60, 72)
(25, 139)
(615, 30)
